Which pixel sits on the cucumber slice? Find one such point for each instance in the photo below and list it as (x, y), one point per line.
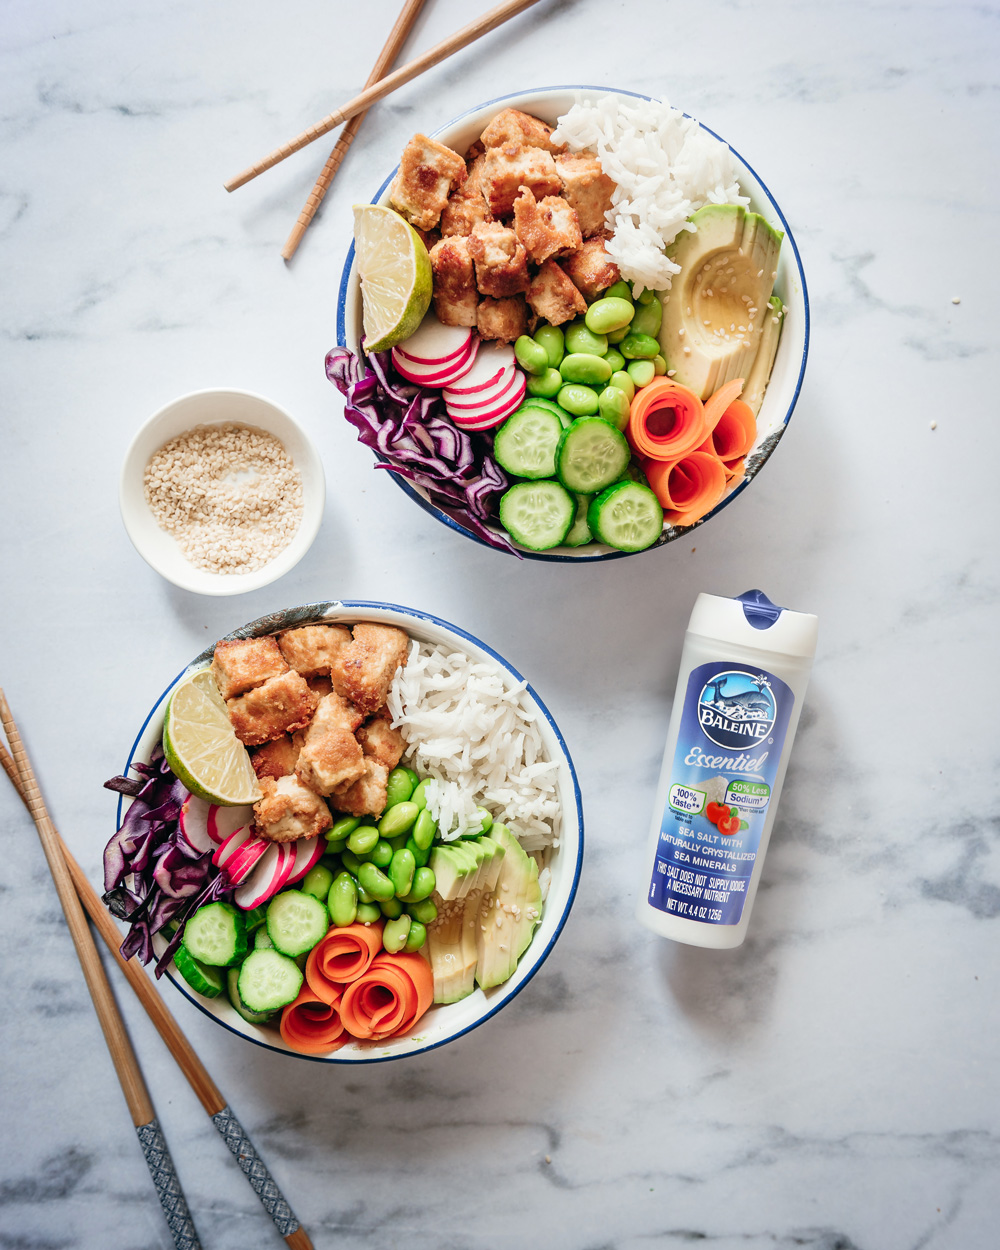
(526, 443)
(232, 987)
(268, 981)
(550, 405)
(538, 515)
(255, 918)
(216, 934)
(579, 532)
(591, 455)
(296, 922)
(202, 978)
(261, 941)
(627, 516)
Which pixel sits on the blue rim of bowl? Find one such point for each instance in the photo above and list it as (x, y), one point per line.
(315, 611)
(667, 538)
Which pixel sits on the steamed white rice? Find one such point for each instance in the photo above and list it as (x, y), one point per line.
(471, 733)
(665, 166)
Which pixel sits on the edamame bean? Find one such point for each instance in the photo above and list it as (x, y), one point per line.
(623, 381)
(374, 882)
(581, 401)
(551, 338)
(613, 406)
(580, 339)
(342, 900)
(616, 336)
(424, 829)
(639, 347)
(641, 372)
(342, 828)
(368, 913)
(646, 297)
(647, 319)
(398, 819)
(582, 367)
(399, 786)
(417, 936)
(413, 776)
(400, 872)
(381, 856)
(317, 882)
(531, 356)
(619, 290)
(364, 896)
(350, 861)
(419, 795)
(423, 885)
(392, 908)
(426, 911)
(545, 385)
(419, 857)
(660, 365)
(363, 841)
(615, 359)
(608, 314)
(395, 933)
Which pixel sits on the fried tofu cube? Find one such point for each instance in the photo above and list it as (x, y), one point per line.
(455, 294)
(277, 758)
(281, 705)
(502, 319)
(501, 261)
(367, 795)
(240, 665)
(366, 668)
(287, 810)
(553, 296)
(379, 741)
(312, 649)
(591, 269)
(331, 755)
(513, 126)
(466, 207)
(587, 188)
(507, 169)
(545, 227)
(428, 173)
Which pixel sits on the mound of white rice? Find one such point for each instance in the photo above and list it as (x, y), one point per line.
(471, 733)
(665, 167)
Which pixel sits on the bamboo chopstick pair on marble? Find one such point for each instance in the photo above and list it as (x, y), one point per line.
(379, 85)
(76, 893)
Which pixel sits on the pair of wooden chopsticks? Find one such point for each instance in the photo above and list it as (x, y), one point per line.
(379, 85)
(75, 892)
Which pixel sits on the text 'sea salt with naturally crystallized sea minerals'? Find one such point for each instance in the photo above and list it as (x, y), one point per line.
(744, 671)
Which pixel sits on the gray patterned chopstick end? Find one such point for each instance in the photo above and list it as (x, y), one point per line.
(256, 1172)
(168, 1187)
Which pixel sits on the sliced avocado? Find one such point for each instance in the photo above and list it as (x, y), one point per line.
(451, 947)
(508, 913)
(728, 264)
(490, 869)
(760, 370)
(453, 866)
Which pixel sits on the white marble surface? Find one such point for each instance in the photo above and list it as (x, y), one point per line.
(832, 1084)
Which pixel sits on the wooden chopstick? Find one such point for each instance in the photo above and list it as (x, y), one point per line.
(393, 46)
(385, 86)
(197, 1075)
(151, 1138)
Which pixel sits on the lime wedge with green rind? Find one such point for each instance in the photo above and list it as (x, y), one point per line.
(395, 272)
(201, 746)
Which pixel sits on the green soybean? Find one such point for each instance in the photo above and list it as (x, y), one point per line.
(398, 819)
(416, 937)
(619, 290)
(647, 318)
(317, 882)
(646, 297)
(425, 911)
(400, 871)
(381, 856)
(623, 381)
(580, 339)
(581, 401)
(613, 406)
(364, 896)
(424, 830)
(641, 372)
(615, 359)
(342, 900)
(545, 385)
(616, 336)
(531, 356)
(660, 365)
(395, 933)
(392, 908)
(413, 776)
(609, 314)
(368, 913)
(423, 885)
(398, 841)
(420, 857)
(640, 347)
(374, 882)
(342, 828)
(350, 861)
(399, 786)
(551, 338)
(363, 841)
(419, 795)
(583, 367)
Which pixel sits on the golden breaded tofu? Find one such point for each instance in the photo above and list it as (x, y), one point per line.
(507, 169)
(591, 269)
(501, 262)
(587, 188)
(331, 755)
(553, 296)
(428, 173)
(379, 741)
(240, 665)
(513, 126)
(277, 758)
(455, 294)
(545, 227)
(320, 684)
(366, 668)
(367, 795)
(287, 811)
(312, 649)
(502, 319)
(466, 207)
(280, 705)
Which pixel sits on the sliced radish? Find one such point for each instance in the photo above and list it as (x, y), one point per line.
(238, 854)
(308, 853)
(488, 420)
(268, 876)
(503, 400)
(463, 402)
(432, 342)
(493, 360)
(222, 821)
(442, 374)
(194, 824)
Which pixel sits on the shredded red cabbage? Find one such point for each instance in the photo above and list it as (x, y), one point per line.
(407, 428)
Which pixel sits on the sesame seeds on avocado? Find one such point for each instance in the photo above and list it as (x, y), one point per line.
(714, 312)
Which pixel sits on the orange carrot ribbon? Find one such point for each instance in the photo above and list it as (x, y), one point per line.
(666, 420)
(312, 1025)
(341, 957)
(389, 998)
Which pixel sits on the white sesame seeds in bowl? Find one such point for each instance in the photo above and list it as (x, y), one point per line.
(221, 492)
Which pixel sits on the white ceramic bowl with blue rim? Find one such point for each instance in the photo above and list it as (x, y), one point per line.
(441, 1024)
(782, 393)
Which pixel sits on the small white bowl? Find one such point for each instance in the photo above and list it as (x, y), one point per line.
(216, 407)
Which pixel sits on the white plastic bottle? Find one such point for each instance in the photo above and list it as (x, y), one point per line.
(744, 671)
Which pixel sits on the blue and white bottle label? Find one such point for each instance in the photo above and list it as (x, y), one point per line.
(728, 750)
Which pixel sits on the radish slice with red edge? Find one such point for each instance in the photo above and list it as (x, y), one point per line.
(432, 342)
(424, 375)
(223, 821)
(493, 360)
(194, 824)
(488, 421)
(462, 402)
(505, 401)
(308, 853)
(268, 875)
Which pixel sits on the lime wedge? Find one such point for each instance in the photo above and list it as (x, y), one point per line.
(201, 747)
(395, 271)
